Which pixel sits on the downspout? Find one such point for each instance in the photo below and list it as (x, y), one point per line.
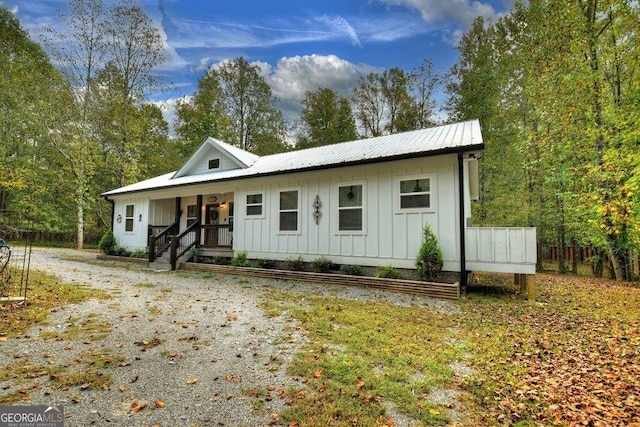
(463, 259)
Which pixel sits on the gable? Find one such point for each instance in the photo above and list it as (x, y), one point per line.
(210, 160)
(215, 156)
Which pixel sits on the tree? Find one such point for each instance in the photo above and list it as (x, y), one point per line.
(80, 50)
(107, 57)
(30, 90)
(401, 108)
(256, 124)
(370, 104)
(203, 115)
(423, 82)
(327, 119)
(555, 86)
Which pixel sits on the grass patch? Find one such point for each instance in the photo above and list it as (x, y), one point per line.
(89, 330)
(147, 285)
(361, 354)
(86, 372)
(45, 294)
(156, 311)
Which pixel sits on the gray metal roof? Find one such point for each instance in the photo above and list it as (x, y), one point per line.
(464, 136)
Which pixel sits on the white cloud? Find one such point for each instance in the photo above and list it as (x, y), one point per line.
(339, 25)
(461, 12)
(294, 76)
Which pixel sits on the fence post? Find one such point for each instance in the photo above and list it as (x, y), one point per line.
(152, 248)
(173, 252)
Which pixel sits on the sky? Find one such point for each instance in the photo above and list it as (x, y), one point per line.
(300, 45)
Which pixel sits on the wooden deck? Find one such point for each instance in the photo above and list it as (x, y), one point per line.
(428, 289)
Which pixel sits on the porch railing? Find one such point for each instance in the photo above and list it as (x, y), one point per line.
(218, 235)
(160, 239)
(184, 241)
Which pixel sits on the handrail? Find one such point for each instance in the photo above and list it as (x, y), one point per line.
(184, 241)
(161, 242)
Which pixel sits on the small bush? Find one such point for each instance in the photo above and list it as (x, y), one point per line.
(240, 260)
(295, 264)
(429, 259)
(107, 243)
(322, 265)
(139, 253)
(352, 270)
(220, 260)
(388, 272)
(266, 263)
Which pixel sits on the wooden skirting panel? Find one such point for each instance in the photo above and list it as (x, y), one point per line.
(428, 289)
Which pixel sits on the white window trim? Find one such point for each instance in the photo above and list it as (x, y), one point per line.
(195, 218)
(219, 163)
(245, 205)
(298, 210)
(132, 218)
(432, 193)
(363, 207)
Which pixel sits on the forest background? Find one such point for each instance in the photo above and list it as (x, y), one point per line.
(555, 85)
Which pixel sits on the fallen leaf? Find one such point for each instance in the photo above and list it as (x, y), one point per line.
(160, 404)
(138, 406)
(318, 373)
(192, 381)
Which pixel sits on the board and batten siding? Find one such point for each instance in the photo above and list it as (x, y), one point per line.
(137, 237)
(390, 236)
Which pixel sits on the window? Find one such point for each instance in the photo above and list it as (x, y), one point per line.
(254, 204)
(192, 214)
(128, 218)
(289, 210)
(415, 193)
(350, 208)
(214, 163)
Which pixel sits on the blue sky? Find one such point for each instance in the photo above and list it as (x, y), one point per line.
(300, 45)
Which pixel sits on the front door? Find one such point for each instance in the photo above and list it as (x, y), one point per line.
(212, 215)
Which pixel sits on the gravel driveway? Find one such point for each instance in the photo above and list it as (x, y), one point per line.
(198, 345)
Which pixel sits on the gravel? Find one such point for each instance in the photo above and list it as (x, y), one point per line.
(199, 345)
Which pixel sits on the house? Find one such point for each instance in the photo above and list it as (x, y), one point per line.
(362, 202)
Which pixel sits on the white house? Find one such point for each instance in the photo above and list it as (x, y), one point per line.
(362, 202)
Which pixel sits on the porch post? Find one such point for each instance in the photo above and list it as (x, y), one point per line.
(178, 212)
(199, 221)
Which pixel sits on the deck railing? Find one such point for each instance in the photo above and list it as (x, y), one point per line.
(501, 249)
(184, 241)
(160, 239)
(218, 235)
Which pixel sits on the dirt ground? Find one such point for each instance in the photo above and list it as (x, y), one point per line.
(188, 349)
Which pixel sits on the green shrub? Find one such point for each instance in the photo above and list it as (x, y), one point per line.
(107, 243)
(240, 260)
(352, 270)
(139, 253)
(220, 260)
(323, 265)
(266, 263)
(388, 272)
(429, 259)
(295, 264)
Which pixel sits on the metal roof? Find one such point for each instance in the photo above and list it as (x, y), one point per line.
(452, 138)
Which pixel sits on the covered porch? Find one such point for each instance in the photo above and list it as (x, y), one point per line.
(180, 225)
